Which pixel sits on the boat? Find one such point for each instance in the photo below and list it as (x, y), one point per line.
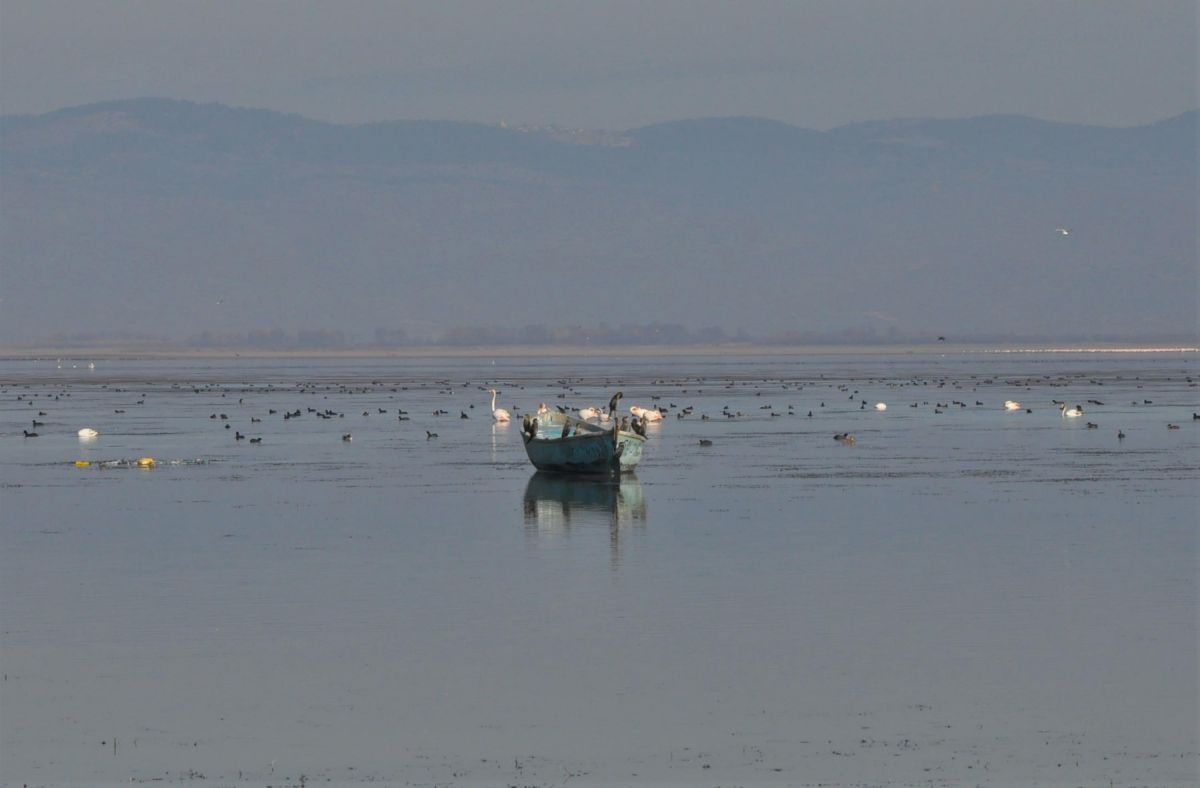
(560, 443)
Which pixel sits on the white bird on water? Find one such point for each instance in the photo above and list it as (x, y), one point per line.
(499, 414)
(880, 406)
(1062, 231)
(1011, 404)
(88, 432)
(1070, 413)
(645, 414)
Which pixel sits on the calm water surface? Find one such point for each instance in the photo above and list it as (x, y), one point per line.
(966, 596)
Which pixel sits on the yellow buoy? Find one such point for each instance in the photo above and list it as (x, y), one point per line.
(146, 462)
(82, 464)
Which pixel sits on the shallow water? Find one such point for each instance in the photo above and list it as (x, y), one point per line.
(970, 596)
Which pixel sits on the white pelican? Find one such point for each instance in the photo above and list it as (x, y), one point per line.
(87, 433)
(1011, 404)
(590, 413)
(499, 414)
(651, 414)
(1070, 413)
(880, 406)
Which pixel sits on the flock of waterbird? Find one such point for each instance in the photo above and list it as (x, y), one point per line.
(639, 416)
(637, 419)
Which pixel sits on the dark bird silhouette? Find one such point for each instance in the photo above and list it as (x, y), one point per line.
(347, 437)
(29, 434)
(429, 434)
(256, 440)
(705, 442)
(612, 403)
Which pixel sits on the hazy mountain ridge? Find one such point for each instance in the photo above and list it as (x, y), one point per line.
(189, 218)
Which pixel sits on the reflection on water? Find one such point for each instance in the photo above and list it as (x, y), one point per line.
(939, 597)
(556, 502)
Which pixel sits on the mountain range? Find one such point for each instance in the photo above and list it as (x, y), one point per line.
(168, 219)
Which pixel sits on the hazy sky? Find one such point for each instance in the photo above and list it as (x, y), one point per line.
(611, 64)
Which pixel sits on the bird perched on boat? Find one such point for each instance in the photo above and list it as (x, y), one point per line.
(590, 413)
(566, 430)
(623, 424)
(639, 426)
(612, 403)
(499, 414)
(543, 408)
(1011, 404)
(1070, 413)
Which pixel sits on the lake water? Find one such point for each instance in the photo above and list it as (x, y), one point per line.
(965, 596)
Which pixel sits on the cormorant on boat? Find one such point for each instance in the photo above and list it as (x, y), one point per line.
(612, 403)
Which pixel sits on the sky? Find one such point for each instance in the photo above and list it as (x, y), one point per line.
(611, 64)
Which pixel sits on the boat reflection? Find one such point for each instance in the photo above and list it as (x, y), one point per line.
(554, 503)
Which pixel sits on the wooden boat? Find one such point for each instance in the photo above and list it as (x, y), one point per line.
(565, 444)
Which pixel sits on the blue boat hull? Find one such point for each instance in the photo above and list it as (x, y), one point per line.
(587, 449)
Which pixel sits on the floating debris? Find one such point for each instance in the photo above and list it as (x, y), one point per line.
(139, 462)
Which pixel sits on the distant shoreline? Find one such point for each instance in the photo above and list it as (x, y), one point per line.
(140, 353)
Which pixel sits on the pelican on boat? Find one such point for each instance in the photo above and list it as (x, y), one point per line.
(562, 443)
